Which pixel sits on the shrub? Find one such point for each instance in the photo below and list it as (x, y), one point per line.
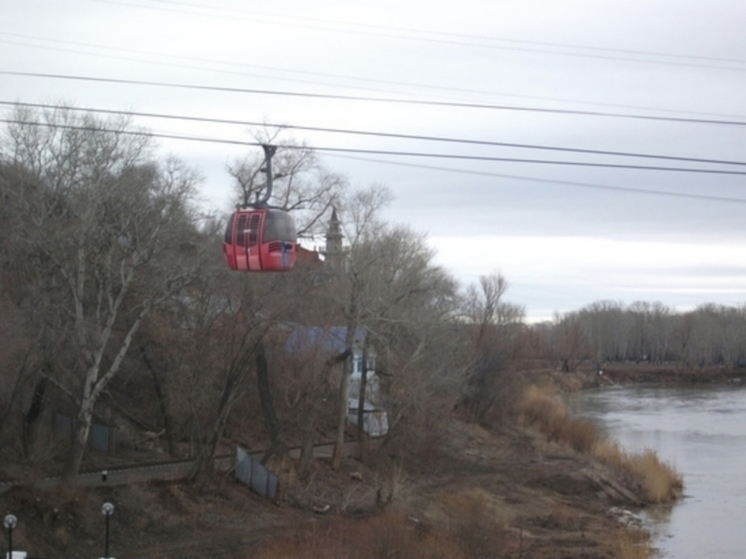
(491, 390)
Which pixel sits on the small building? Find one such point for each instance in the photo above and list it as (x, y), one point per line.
(375, 419)
(331, 341)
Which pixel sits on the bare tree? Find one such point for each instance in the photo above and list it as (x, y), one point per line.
(105, 226)
(392, 292)
(486, 308)
(411, 311)
(362, 208)
(489, 389)
(301, 185)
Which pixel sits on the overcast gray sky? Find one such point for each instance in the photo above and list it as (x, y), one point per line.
(560, 235)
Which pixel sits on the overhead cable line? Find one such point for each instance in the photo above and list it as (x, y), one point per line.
(201, 68)
(383, 152)
(453, 34)
(452, 42)
(593, 186)
(374, 133)
(310, 95)
(438, 88)
(531, 161)
(414, 165)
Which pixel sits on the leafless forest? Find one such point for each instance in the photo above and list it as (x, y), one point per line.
(116, 307)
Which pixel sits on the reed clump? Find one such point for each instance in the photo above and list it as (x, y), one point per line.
(659, 481)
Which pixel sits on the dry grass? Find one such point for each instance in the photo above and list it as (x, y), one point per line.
(659, 480)
(390, 534)
(475, 526)
(634, 544)
(472, 529)
(542, 409)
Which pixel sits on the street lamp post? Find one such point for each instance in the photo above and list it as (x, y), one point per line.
(107, 511)
(10, 523)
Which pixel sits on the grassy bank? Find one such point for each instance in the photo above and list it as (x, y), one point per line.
(658, 481)
(478, 493)
(462, 490)
(394, 533)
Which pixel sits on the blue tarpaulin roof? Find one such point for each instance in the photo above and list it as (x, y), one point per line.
(316, 338)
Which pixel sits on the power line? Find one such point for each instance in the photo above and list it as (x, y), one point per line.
(376, 134)
(531, 161)
(593, 186)
(459, 35)
(311, 95)
(202, 68)
(400, 36)
(98, 48)
(416, 165)
(381, 152)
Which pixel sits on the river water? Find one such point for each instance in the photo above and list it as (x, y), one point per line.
(701, 430)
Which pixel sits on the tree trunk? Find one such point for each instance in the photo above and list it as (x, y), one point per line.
(309, 435)
(15, 394)
(361, 399)
(344, 388)
(208, 447)
(79, 442)
(161, 394)
(31, 419)
(271, 422)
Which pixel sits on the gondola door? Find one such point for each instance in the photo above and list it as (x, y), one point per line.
(229, 245)
(254, 240)
(242, 252)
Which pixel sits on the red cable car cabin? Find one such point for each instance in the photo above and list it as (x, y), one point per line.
(260, 240)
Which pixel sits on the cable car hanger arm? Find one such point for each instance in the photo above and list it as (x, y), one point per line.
(269, 152)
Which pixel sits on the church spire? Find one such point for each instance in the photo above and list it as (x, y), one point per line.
(334, 236)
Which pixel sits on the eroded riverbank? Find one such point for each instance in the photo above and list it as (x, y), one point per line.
(701, 428)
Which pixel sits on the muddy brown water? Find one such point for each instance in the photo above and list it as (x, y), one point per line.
(701, 430)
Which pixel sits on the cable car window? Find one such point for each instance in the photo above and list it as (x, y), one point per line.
(254, 225)
(241, 230)
(229, 230)
(279, 226)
